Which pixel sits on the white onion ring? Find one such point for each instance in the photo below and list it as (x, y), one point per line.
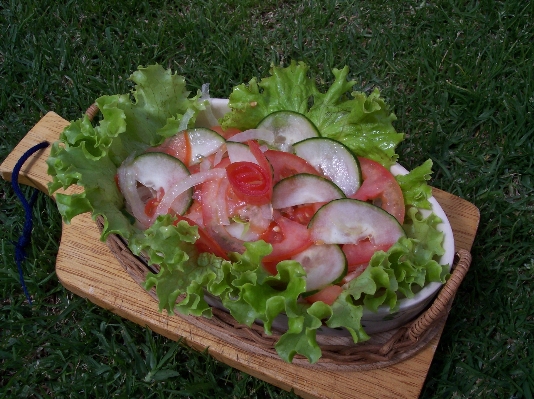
(253, 134)
(219, 155)
(208, 112)
(185, 184)
(128, 185)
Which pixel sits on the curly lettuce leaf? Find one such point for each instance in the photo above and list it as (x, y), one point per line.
(414, 186)
(348, 315)
(363, 123)
(170, 245)
(301, 335)
(88, 156)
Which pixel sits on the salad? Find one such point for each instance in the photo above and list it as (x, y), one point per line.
(285, 205)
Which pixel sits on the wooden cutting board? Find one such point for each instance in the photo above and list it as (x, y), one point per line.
(86, 266)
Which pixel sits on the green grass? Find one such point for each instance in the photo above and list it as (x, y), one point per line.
(460, 78)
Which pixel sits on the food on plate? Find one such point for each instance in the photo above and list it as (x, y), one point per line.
(285, 204)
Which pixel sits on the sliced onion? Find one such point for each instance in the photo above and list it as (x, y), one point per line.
(220, 206)
(205, 91)
(241, 231)
(184, 185)
(208, 112)
(253, 134)
(219, 155)
(128, 186)
(213, 197)
(205, 165)
(240, 153)
(267, 211)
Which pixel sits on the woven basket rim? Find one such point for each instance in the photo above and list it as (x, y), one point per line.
(382, 350)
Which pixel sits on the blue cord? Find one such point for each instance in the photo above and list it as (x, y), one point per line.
(24, 239)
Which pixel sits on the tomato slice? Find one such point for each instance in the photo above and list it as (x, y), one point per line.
(362, 252)
(353, 274)
(152, 204)
(302, 213)
(288, 238)
(252, 183)
(249, 182)
(226, 133)
(380, 187)
(286, 164)
(262, 160)
(178, 146)
(204, 243)
(194, 212)
(327, 295)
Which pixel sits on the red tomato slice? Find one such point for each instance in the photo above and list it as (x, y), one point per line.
(152, 204)
(288, 238)
(205, 243)
(226, 133)
(249, 182)
(260, 157)
(302, 213)
(355, 273)
(362, 252)
(380, 187)
(194, 212)
(286, 164)
(178, 146)
(327, 295)
(220, 204)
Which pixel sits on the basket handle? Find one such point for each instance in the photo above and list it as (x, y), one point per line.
(442, 304)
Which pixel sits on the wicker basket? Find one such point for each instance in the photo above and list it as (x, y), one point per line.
(338, 353)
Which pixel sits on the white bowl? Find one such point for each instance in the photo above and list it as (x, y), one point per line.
(383, 319)
(409, 308)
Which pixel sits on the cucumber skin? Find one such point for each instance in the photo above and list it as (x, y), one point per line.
(390, 217)
(275, 122)
(178, 162)
(294, 178)
(333, 282)
(354, 156)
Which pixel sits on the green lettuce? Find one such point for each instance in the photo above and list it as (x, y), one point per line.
(414, 188)
(363, 123)
(88, 154)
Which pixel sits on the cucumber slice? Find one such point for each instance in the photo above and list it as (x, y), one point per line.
(304, 188)
(204, 142)
(144, 176)
(334, 160)
(324, 265)
(347, 221)
(288, 127)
